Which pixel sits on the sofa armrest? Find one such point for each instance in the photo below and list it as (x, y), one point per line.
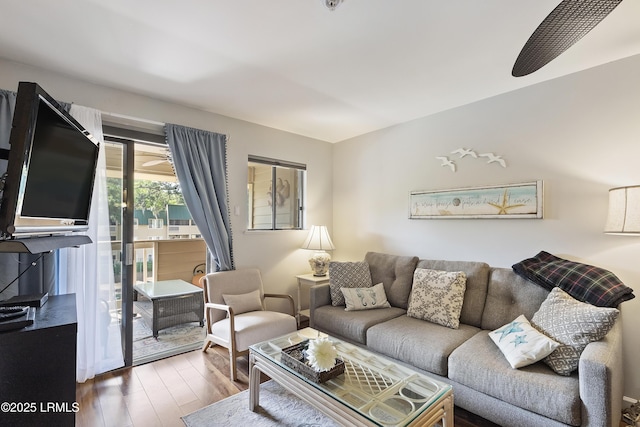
(602, 380)
(319, 295)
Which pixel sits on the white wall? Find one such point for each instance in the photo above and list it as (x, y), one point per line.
(579, 134)
(277, 254)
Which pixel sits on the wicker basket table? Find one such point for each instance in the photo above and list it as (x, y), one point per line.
(174, 302)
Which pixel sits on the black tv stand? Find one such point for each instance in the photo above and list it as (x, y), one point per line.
(38, 367)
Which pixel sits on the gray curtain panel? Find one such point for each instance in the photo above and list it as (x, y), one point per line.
(200, 162)
(35, 278)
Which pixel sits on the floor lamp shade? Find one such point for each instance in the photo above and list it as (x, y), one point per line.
(624, 211)
(318, 240)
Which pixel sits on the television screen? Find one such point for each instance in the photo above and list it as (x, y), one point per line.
(60, 178)
(51, 169)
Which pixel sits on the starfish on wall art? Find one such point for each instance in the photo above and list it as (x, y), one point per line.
(503, 208)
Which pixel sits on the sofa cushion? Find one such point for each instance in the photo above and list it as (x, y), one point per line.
(535, 388)
(422, 344)
(476, 288)
(395, 272)
(574, 324)
(352, 325)
(584, 282)
(436, 296)
(347, 275)
(521, 343)
(509, 296)
(365, 298)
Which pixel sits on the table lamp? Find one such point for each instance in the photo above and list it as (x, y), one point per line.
(319, 241)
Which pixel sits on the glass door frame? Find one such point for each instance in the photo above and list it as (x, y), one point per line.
(126, 248)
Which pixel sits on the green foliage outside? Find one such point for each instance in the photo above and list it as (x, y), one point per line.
(152, 195)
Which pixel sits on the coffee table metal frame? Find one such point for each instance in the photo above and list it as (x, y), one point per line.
(372, 382)
(174, 302)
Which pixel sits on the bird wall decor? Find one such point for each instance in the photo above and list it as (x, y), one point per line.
(446, 162)
(464, 152)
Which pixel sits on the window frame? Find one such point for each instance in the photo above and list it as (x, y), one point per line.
(301, 200)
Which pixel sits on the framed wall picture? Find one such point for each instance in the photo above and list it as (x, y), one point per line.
(500, 201)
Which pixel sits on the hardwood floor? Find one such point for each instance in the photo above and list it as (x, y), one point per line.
(159, 393)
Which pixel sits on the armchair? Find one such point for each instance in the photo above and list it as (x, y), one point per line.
(235, 312)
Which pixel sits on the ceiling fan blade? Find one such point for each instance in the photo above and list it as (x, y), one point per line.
(562, 28)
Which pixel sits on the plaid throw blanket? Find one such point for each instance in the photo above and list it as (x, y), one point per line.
(584, 282)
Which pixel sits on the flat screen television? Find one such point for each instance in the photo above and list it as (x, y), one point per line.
(50, 171)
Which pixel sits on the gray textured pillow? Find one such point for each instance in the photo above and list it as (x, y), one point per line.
(573, 324)
(347, 275)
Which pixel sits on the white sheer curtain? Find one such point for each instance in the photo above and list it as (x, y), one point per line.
(88, 272)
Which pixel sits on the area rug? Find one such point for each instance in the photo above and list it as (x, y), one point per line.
(170, 342)
(277, 408)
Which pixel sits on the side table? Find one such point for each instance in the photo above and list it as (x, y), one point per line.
(308, 280)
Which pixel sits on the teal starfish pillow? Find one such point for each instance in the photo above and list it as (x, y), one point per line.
(521, 343)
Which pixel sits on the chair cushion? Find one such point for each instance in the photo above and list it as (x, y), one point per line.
(244, 302)
(347, 275)
(365, 298)
(254, 327)
(421, 344)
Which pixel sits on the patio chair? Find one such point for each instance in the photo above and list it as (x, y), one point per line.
(235, 312)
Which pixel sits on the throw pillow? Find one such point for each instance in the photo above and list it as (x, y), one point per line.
(521, 343)
(437, 296)
(347, 275)
(365, 298)
(243, 303)
(584, 282)
(573, 324)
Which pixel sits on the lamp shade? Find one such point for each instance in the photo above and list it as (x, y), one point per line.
(318, 239)
(624, 211)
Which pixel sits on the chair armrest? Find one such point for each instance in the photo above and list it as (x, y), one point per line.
(284, 296)
(222, 307)
(319, 295)
(601, 376)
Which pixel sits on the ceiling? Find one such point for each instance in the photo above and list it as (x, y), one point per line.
(294, 65)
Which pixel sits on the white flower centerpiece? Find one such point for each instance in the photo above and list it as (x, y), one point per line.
(321, 354)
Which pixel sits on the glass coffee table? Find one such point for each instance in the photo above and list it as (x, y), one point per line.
(174, 302)
(373, 391)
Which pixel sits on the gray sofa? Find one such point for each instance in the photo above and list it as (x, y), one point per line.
(483, 381)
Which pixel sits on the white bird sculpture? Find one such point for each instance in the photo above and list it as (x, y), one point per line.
(464, 152)
(493, 158)
(446, 162)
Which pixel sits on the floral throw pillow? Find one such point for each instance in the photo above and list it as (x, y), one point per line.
(437, 296)
(365, 298)
(347, 275)
(521, 343)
